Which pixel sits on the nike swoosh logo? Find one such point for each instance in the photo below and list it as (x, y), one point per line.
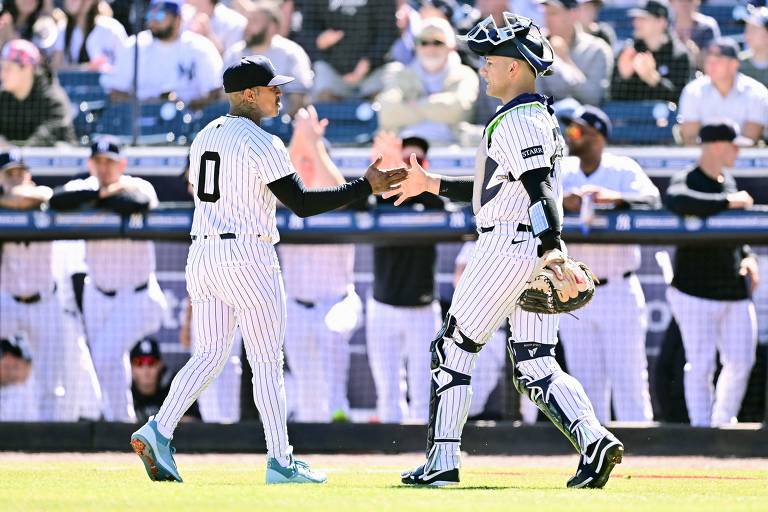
(594, 454)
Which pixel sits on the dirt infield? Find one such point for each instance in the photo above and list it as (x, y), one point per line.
(406, 460)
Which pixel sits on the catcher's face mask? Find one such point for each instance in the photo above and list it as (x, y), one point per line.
(516, 38)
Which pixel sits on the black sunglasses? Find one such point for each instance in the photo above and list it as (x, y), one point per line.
(432, 42)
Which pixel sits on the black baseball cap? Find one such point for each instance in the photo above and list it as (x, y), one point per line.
(146, 347)
(253, 71)
(587, 115)
(412, 138)
(724, 47)
(566, 4)
(10, 158)
(107, 145)
(655, 8)
(725, 131)
(15, 346)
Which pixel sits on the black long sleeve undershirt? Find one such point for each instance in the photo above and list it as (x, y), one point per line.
(458, 188)
(539, 188)
(124, 203)
(291, 192)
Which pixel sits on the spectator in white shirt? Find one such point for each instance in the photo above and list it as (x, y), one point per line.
(262, 37)
(173, 64)
(723, 94)
(214, 20)
(87, 37)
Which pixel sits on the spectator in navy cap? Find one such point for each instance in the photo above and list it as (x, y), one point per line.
(33, 110)
(754, 61)
(655, 65)
(723, 94)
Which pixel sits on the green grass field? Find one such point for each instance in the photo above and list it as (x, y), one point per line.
(224, 483)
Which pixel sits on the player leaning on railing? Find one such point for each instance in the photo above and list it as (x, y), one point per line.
(516, 195)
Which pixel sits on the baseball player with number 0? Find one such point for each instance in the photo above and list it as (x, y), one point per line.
(516, 196)
(238, 171)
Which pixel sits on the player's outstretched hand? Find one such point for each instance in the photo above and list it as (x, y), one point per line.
(416, 183)
(382, 180)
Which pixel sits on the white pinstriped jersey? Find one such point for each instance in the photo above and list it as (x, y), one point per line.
(231, 161)
(524, 135)
(620, 174)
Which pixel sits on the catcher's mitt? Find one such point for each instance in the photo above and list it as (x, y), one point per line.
(546, 293)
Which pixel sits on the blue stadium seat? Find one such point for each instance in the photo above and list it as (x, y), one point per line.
(280, 126)
(71, 78)
(159, 123)
(641, 122)
(351, 122)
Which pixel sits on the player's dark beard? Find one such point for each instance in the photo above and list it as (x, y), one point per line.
(258, 38)
(163, 34)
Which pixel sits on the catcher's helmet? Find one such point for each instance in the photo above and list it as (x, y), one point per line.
(518, 38)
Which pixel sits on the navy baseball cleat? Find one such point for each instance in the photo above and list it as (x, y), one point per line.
(156, 452)
(596, 464)
(438, 478)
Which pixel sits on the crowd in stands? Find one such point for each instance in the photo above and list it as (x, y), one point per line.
(405, 57)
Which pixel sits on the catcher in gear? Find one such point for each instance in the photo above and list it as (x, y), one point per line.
(558, 284)
(516, 195)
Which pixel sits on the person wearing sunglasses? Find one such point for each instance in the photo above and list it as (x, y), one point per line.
(605, 347)
(173, 64)
(151, 381)
(516, 195)
(435, 93)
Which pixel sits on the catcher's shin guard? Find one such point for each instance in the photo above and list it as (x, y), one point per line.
(453, 359)
(558, 395)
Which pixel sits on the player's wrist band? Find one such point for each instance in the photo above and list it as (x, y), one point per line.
(539, 219)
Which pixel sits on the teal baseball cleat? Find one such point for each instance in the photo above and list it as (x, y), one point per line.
(298, 472)
(156, 452)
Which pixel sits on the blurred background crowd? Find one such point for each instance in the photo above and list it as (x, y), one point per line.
(72, 68)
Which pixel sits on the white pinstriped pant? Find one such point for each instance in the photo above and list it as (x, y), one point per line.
(485, 296)
(399, 336)
(709, 327)
(235, 282)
